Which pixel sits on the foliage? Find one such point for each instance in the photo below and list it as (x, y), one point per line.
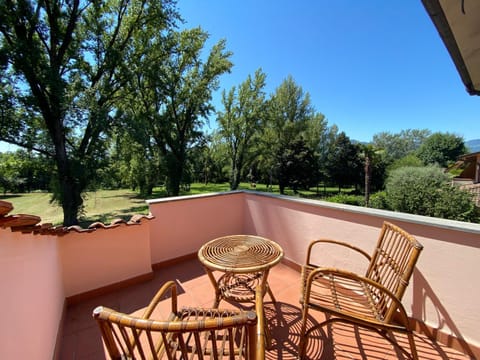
(175, 87)
(68, 62)
(23, 171)
(426, 191)
(378, 200)
(241, 121)
(356, 200)
(344, 165)
(456, 204)
(410, 160)
(291, 119)
(397, 146)
(441, 149)
(298, 166)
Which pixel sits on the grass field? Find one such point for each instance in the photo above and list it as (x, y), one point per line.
(102, 205)
(107, 205)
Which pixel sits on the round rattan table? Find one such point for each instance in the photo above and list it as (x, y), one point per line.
(244, 260)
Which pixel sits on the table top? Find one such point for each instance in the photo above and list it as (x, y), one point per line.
(240, 253)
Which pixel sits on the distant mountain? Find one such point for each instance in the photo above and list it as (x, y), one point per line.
(473, 145)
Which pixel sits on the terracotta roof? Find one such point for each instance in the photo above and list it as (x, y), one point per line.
(32, 223)
(469, 156)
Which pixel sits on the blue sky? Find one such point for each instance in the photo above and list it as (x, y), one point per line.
(369, 66)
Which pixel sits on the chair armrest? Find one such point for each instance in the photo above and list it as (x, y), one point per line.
(315, 243)
(353, 282)
(159, 296)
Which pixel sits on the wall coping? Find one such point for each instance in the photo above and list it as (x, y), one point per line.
(30, 223)
(387, 214)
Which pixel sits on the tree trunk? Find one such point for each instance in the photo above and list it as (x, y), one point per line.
(368, 171)
(236, 168)
(175, 172)
(70, 190)
(235, 177)
(71, 203)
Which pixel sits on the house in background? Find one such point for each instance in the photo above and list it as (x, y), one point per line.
(470, 165)
(469, 178)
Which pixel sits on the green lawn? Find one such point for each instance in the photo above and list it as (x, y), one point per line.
(102, 205)
(107, 205)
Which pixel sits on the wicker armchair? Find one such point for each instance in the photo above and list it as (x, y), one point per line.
(189, 333)
(373, 300)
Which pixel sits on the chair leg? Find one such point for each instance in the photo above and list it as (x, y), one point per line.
(413, 347)
(302, 347)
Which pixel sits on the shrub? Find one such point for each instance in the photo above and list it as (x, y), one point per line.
(358, 200)
(456, 204)
(379, 201)
(426, 191)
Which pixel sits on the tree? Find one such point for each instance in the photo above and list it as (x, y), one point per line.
(291, 118)
(441, 149)
(23, 171)
(173, 94)
(241, 120)
(298, 166)
(408, 160)
(69, 60)
(374, 169)
(399, 145)
(343, 162)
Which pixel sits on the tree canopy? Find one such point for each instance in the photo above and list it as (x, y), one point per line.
(170, 97)
(241, 121)
(441, 149)
(68, 62)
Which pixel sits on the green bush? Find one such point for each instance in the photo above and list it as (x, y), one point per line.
(426, 191)
(379, 201)
(357, 200)
(456, 204)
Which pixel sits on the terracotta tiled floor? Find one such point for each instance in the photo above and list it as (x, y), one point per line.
(82, 339)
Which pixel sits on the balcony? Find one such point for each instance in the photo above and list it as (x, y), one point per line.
(52, 280)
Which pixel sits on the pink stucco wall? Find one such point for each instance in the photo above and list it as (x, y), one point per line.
(183, 224)
(32, 295)
(104, 257)
(37, 272)
(444, 291)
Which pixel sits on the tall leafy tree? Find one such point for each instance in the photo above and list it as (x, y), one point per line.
(298, 166)
(344, 164)
(441, 149)
(24, 171)
(241, 120)
(69, 60)
(291, 117)
(399, 145)
(174, 86)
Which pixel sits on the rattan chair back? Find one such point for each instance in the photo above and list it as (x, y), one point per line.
(189, 333)
(373, 300)
(392, 265)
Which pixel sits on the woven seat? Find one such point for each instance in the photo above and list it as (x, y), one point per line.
(373, 300)
(188, 333)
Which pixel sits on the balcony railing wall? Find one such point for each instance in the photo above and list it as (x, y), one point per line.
(32, 297)
(38, 272)
(443, 294)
